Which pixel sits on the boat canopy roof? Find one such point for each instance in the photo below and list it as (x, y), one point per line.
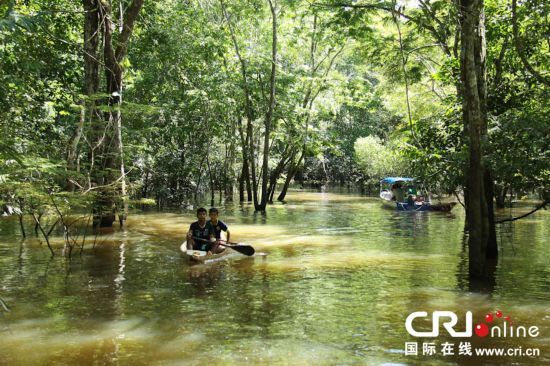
(392, 180)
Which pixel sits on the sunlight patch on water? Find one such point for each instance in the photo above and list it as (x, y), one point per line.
(183, 346)
(299, 241)
(348, 259)
(32, 340)
(275, 352)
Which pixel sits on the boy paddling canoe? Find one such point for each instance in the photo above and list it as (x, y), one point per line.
(217, 226)
(200, 235)
(205, 236)
(205, 239)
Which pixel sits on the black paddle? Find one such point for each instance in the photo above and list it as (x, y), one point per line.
(241, 248)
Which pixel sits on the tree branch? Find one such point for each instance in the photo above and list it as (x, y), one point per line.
(519, 46)
(4, 306)
(43, 233)
(130, 17)
(542, 205)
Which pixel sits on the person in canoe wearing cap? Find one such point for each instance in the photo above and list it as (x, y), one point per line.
(217, 226)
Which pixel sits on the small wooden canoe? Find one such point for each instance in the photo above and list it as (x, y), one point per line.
(199, 255)
(445, 207)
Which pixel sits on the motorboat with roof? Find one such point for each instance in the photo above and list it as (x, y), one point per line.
(401, 193)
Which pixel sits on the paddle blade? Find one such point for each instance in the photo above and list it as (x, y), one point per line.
(243, 249)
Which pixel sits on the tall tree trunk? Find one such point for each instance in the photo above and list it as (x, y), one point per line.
(248, 140)
(500, 195)
(307, 103)
(245, 173)
(113, 161)
(286, 185)
(113, 146)
(72, 149)
(492, 247)
(403, 67)
(211, 179)
(252, 163)
(91, 82)
(248, 183)
(472, 62)
(292, 170)
(269, 115)
(229, 172)
(480, 53)
(241, 185)
(244, 183)
(276, 173)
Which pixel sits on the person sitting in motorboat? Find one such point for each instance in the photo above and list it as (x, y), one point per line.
(410, 201)
(398, 192)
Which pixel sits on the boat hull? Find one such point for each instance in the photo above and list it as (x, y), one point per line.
(443, 207)
(196, 257)
(419, 206)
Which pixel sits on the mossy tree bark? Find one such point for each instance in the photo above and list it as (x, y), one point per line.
(479, 204)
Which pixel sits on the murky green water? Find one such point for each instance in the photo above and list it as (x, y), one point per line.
(339, 276)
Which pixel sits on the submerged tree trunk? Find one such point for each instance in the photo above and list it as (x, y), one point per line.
(90, 88)
(248, 183)
(244, 179)
(211, 179)
(501, 191)
(492, 247)
(241, 186)
(247, 142)
(229, 172)
(307, 104)
(20, 214)
(112, 194)
(479, 188)
(292, 170)
(284, 190)
(269, 116)
(276, 173)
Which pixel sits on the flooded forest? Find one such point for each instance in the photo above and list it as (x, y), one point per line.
(276, 182)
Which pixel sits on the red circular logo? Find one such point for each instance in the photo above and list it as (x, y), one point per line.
(481, 330)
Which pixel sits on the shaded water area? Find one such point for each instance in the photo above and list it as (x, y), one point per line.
(339, 276)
